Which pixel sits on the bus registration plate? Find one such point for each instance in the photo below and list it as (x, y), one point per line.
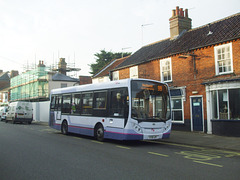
(153, 136)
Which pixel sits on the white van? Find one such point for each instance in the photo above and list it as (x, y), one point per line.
(20, 111)
(3, 111)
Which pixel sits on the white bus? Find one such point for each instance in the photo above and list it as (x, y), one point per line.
(129, 109)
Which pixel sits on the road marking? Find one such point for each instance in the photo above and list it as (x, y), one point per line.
(175, 144)
(77, 138)
(164, 155)
(48, 130)
(198, 155)
(123, 147)
(98, 142)
(210, 164)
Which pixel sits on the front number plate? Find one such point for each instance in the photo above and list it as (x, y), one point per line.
(153, 136)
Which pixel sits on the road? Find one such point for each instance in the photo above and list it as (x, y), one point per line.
(38, 152)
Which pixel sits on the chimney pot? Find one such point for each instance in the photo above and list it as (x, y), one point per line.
(186, 13)
(177, 11)
(181, 12)
(173, 12)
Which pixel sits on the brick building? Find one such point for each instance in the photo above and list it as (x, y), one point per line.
(202, 68)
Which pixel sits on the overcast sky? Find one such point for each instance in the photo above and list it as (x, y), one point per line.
(33, 30)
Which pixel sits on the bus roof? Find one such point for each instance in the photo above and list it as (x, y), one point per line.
(97, 86)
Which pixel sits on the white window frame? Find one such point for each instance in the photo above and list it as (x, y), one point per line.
(181, 99)
(162, 65)
(134, 72)
(216, 48)
(115, 75)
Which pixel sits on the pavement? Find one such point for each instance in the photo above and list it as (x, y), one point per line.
(204, 140)
(198, 139)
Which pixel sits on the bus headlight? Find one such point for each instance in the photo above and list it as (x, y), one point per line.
(137, 128)
(168, 125)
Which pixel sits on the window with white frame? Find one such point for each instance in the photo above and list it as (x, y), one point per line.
(166, 70)
(115, 75)
(177, 109)
(134, 72)
(223, 59)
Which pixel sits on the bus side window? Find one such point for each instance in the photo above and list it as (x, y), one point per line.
(76, 104)
(58, 103)
(100, 99)
(66, 104)
(87, 103)
(118, 103)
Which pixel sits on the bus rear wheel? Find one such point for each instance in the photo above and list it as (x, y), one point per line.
(99, 132)
(64, 128)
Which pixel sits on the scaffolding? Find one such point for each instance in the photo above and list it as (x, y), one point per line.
(31, 85)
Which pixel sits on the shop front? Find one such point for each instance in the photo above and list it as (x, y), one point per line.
(223, 107)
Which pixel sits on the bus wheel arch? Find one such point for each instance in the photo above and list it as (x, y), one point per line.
(64, 127)
(99, 132)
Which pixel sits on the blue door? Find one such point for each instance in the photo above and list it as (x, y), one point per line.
(197, 114)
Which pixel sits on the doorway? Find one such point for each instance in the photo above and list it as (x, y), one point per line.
(197, 113)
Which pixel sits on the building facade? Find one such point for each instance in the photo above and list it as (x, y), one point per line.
(202, 68)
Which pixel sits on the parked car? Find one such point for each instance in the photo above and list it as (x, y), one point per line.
(20, 111)
(3, 111)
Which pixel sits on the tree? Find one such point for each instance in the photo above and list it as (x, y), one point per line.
(104, 58)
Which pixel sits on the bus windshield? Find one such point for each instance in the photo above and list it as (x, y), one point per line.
(150, 101)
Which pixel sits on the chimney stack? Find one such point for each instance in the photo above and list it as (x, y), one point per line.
(13, 73)
(41, 64)
(62, 66)
(179, 22)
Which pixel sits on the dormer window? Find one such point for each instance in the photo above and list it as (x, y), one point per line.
(223, 59)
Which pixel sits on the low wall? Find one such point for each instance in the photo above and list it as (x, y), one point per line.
(226, 127)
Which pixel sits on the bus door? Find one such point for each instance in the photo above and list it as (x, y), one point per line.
(58, 108)
(118, 108)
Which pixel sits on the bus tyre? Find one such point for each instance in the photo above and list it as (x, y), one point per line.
(64, 128)
(99, 132)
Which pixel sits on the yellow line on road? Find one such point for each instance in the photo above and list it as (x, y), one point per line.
(123, 147)
(175, 144)
(77, 138)
(210, 164)
(98, 142)
(164, 155)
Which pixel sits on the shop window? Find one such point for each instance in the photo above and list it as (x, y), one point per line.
(234, 104)
(225, 104)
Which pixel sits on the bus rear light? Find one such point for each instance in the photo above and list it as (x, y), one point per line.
(102, 120)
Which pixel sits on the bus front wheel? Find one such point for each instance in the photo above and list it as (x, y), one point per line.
(64, 128)
(99, 132)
